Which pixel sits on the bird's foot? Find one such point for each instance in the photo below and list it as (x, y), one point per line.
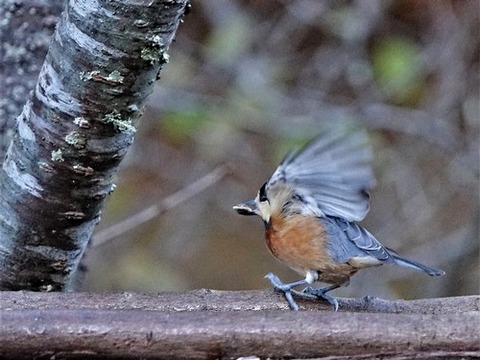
(277, 283)
(287, 289)
(322, 293)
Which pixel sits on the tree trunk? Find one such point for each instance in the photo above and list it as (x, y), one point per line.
(73, 132)
(26, 28)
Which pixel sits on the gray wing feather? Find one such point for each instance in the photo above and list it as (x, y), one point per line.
(333, 170)
(348, 240)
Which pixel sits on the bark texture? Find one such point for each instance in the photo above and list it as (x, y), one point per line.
(26, 29)
(207, 324)
(73, 132)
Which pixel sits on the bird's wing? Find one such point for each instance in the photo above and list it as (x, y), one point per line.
(349, 240)
(332, 173)
(363, 240)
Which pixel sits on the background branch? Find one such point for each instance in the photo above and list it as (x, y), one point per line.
(168, 203)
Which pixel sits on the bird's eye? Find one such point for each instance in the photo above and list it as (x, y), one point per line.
(262, 193)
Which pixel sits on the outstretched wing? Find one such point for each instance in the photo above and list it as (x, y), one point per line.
(332, 171)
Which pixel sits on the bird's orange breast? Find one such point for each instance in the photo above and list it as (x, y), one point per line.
(301, 243)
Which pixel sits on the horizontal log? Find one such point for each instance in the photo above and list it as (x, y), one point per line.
(213, 335)
(207, 324)
(216, 300)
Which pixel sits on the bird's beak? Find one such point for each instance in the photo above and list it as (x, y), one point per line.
(247, 208)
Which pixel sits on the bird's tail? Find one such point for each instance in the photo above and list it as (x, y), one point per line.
(414, 265)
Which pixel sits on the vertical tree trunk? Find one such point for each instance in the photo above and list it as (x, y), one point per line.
(74, 131)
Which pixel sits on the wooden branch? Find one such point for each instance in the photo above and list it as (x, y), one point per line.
(208, 324)
(216, 300)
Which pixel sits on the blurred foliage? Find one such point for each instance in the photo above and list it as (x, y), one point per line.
(398, 69)
(179, 126)
(248, 80)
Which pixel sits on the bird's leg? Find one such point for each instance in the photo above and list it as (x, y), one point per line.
(287, 289)
(322, 293)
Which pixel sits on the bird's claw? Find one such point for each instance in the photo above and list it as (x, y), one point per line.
(277, 283)
(285, 288)
(322, 293)
(309, 293)
(308, 290)
(293, 305)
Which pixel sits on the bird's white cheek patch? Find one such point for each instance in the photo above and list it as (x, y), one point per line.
(264, 209)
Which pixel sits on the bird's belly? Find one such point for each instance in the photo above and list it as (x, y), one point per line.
(300, 243)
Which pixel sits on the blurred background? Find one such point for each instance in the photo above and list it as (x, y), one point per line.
(247, 80)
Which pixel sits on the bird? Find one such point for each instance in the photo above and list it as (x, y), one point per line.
(310, 207)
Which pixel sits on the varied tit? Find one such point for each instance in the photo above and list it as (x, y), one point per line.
(310, 206)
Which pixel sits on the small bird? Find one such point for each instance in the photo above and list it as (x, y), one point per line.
(310, 207)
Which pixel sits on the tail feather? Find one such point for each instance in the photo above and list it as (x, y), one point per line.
(414, 265)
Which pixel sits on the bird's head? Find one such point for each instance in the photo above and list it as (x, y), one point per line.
(274, 201)
(259, 206)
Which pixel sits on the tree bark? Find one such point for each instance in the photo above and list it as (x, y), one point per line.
(73, 132)
(207, 324)
(26, 28)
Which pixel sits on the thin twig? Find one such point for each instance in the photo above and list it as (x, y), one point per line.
(166, 204)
